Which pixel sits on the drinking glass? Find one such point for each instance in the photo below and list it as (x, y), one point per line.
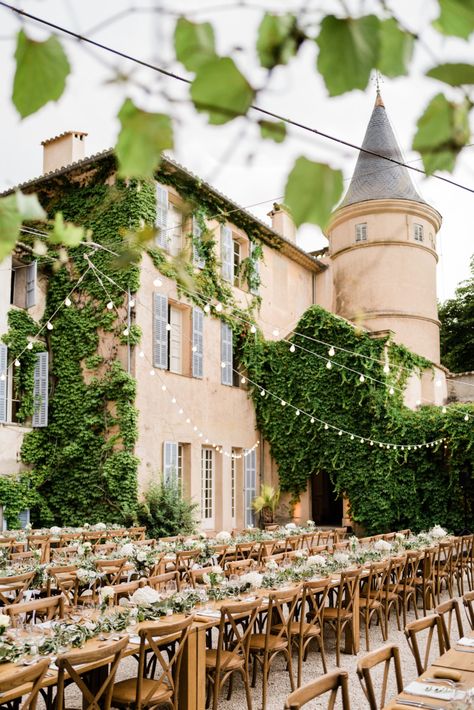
(171, 588)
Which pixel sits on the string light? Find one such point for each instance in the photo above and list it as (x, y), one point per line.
(328, 364)
(163, 387)
(331, 352)
(391, 391)
(67, 301)
(243, 380)
(276, 332)
(207, 308)
(141, 354)
(253, 329)
(126, 332)
(110, 305)
(29, 346)
(219, 307)
(444, 410)
(158, 283)
(466, 417)
(362, 378)
(292, 348)
(152, 373)
(3, 377)
(17, 363)
(131, 303)
(386, 369)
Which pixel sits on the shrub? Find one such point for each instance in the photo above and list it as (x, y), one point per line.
(165, 512)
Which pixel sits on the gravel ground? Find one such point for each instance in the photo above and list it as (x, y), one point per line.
(279, 685)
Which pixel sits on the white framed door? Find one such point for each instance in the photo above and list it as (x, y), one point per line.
(250, 485)
(207, 488)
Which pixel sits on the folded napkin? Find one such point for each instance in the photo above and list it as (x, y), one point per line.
(429, 690)
(465, 641)
(214, 613)
(45, 624)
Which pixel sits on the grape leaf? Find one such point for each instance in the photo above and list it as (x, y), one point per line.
(14, 209)
(396, 48)
(221, 90)
(194, 43)
(348, 50)
(443, 130)
(456, 18)
(65, 232)
(141, 140)
(41, 72)
(453, 74)
(278, 39)
(273, 130)
(312, 191)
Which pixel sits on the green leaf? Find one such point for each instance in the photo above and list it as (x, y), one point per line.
(312, 191)
(456, 18)
(396, 48)
(221, 90)
(278, 39)
(141, 140)
(453, 74)
(443, 130)
(41, 72)
(14, 209)
(273, 130)
(65, 232)
(348, 51)
(194, 43)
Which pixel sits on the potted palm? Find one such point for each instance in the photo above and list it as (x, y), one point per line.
(266, 503)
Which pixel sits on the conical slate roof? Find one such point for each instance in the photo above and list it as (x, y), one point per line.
(375, 178)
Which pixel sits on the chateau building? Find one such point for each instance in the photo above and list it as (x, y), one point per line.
(196, 422)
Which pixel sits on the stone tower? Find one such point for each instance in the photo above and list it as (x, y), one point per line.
(382, 243)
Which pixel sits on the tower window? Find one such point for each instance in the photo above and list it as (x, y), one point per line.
(361, 232)
(418, 232)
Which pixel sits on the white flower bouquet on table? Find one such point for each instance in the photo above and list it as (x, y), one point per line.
(128, 549)
(382, 546)
(271, 566)
(55, 530)
(105, 595)
(317, 561)
(341, 558)
(100, 526)
(223, 537)
(214, 577)
(437, 532)
(86, 576)
(310, 524)
(252, 579)
(145, 596)
(4, 623)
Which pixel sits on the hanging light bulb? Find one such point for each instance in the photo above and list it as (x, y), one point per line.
(3, 377)
(174, 400)
(292, 348)
(391, 391)
(195, 428)
(438, 383)
(262, 392)
(168, 327)
(219, 307)
(126, 332)
(297, 412)
(276, 332)
(141, 354)
(466, 417)
(443, 410)
(29, 346)
(152, 373)
(194, 349)
(331, 352)
(163, 387)
(188, 421)
(339, 433)
(223, 364)
(253, 329)
(110, 305)
(131, 303)
(418, 402)
(312, 420)
(329, 364)
(352, 437)
(283, 403)
(17, 363)
(157, 282)
(326, 426)
(362, 378)
(207, 308)
(180, 411)
(49, 325)
(67, 301)
(243, 380)
(386, 369)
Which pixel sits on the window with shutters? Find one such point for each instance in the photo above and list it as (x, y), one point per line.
(418, 235)
(3, 383)
(174, 230)
(173, 462)
(250, 484)
(198, 259)
(197, 343)
(361, 232)
(207, 484)
(40, 390)
(23, 284)
(161, 222)
(235, 481)
(227, 357)
(175, 335)
(160, 331)
(227, 265)
(256, 268)
(236, 248)
(31, 274)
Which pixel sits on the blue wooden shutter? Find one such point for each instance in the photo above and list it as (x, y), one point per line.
(24, 518)
(226, 354)
(250, 484)
(227, 257)
(31, 272)
(40, 390)
(160, 333)
(198, 342)
(256, 266)
(198, 260)
(170, 462)
(3, 382)
(161, 215)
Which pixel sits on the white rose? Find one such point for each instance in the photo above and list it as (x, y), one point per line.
(254, 579)
(206, 579)
(55, 530)
(438, 532)
(341, 558)
(87, 545)
(4, 621)
(382, 546)
(86, 575)
(141, 556)
(106, 593)
(317, 560)
(301, 554)
(145, 595)
(223, 537)
(128, 549)
(203, 536)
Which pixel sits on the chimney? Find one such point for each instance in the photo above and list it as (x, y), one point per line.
(62, 150)
(282, 222)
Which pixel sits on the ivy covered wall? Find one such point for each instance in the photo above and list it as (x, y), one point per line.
(388, 489)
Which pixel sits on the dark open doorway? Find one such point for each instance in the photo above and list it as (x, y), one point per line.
(327, 505)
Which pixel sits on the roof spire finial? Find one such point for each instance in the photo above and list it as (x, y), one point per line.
(378, 80)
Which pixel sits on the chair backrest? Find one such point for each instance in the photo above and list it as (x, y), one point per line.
(313, 601)
(317, 549)
(449, 612)
(281, 612)
(43, 609)
(428, 623)
(111, 569)
(243, 550)
(196, 575)
(159, 581)
(328, 683)
(382, 655)
(16, 679)
(410, 571)
(166, 642)
(63, 578)
(340, 533)
(238, 566)
(94, 698)
(376, 582)
(347, 590)
(343, 545)
(468, 601)
(236, 624)
(125, 589)
(13, 588)
(294, 542)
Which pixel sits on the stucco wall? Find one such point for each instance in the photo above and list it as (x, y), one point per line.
(461, 387)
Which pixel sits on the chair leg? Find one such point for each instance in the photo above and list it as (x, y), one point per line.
(248, 694)
(290, 668)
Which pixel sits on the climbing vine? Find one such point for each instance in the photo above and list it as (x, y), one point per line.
(387, 488)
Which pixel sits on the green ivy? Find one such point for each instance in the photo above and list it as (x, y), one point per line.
(16, 495)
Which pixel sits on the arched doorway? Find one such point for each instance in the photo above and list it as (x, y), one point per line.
(326, 503)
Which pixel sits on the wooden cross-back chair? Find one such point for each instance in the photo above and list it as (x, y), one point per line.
(42, 610)
(74, 665)
(166, 642)
(111, 570)
(384, 655)
(425, 580)
(406, 586)
(390, 598)
(239, 566)
(371, 599)
(159, 581)
(23, 683)
(124, 590)
(340, 616)
(431, 624)
(12, 589)
(442, 571)
(231, 654)
(468, 601)
(137, 533)
(185, 561)
(62, 580)
(310, 625)
(329, 683)
(40, 544)
(464, 563)
(450, 614)
(244, 550)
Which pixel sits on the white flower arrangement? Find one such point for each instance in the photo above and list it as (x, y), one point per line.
(399, 537)
(253, 579)
(301, 554)
(4, 622)
(100, 526)
(202, 536)
(341, 558)
(223, 537)
(105, 594)
(128, 549)
(317, 561)
(382, 546)
(437, 532)
(141, 556)
(145, 596)
(55, 530)
(271, 565)
(86, 576)
(310, 524)
(290, 526)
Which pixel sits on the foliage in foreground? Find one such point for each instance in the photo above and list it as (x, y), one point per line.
(165, 512)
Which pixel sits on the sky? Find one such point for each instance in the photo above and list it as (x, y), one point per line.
(233, 158)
